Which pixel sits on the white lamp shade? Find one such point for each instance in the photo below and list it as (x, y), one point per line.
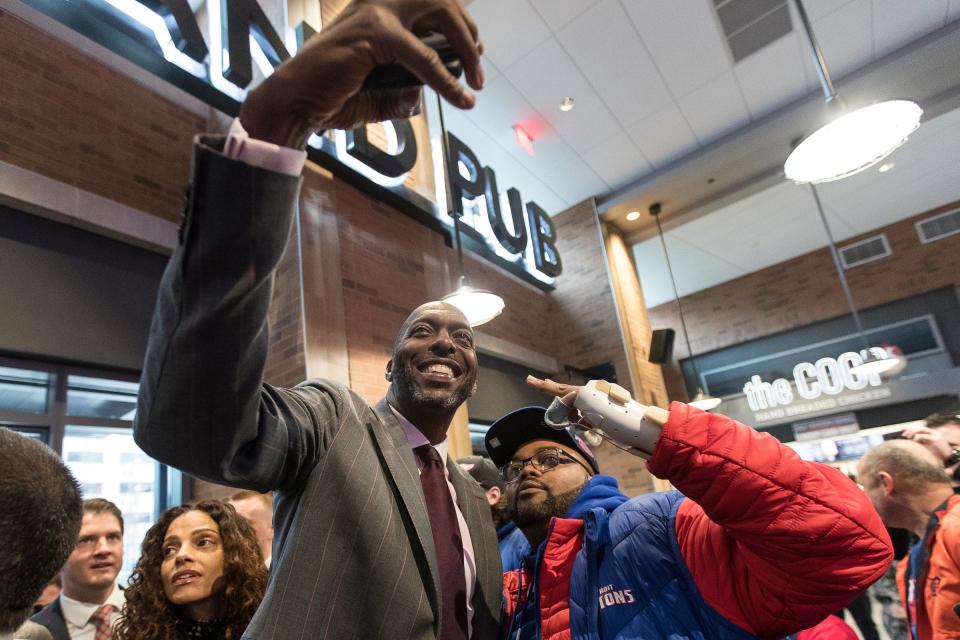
(477, 305)
(888, 365)
(704, 402)
(853, 142)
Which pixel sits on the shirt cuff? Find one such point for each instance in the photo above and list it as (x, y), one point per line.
(265, 155)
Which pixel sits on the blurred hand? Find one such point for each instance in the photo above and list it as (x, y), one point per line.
(322, 86)
(931, 439)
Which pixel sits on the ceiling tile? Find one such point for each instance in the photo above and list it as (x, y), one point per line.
(846, 38)
(499, 107)
(558, 13)
(507, 40)
(715, 108)
(773, 77)
(574, 181)
(617, 160)
(545, 76)
(684, 39)
(609, 52)
(953, 11)
(817, 9)
(897, 23)
(663, 137)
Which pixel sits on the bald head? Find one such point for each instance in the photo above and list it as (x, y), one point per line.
(416, 314)
(911, 465)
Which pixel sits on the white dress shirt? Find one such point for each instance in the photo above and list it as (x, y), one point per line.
(416, 439)
(78, 615)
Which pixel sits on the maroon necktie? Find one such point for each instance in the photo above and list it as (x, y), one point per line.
(448, 542)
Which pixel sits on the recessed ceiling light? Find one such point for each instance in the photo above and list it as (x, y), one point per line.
(566, 104)
(633, 215)
(887, 166)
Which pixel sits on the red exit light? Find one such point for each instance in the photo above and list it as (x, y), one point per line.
(524, 139)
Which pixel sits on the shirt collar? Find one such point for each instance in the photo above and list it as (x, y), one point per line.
(415, 437)
(78, 613)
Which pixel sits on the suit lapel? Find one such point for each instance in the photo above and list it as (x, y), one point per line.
(476, 512)
(402, 468)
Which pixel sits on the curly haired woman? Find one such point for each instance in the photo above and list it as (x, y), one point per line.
(201, 576)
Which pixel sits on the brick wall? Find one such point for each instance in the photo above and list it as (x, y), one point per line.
(67, 116)
(805, 290)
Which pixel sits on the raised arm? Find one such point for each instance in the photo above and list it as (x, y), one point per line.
(203, 406)
(773, 543)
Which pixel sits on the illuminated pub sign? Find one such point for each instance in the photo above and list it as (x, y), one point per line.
(166, 38)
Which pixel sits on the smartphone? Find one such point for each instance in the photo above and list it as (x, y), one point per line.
(396, 76)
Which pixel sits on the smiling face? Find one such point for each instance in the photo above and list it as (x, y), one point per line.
(434, 364)
(536, 495)
(95, 562)
(192, 566)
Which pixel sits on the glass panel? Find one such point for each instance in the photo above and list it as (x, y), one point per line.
(101, 398)
(108, 464)
(24, 390)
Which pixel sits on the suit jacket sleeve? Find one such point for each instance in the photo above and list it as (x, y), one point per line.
(773, 543)
(203, 407)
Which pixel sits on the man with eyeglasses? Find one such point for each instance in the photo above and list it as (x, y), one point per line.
(940, 433)
(759, 542)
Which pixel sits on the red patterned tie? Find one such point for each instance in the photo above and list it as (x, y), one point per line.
(102, 616)
(449, 544)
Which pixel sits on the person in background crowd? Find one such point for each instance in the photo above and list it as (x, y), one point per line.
(90, 600)
(509, 538)
(760, 542)
(941, 434)
(40, 515)
(490, 480)
(257, 508)
(200, 576)
(50, 593)
(378, 534)
(910, 490)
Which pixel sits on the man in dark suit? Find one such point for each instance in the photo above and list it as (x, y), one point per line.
(377, 534)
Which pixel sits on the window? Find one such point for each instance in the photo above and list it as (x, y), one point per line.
(25, 391)
(87, 417)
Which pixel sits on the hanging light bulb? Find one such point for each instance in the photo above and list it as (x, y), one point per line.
(885, 361)
(852, 141)
(478, 305)
(704, 402)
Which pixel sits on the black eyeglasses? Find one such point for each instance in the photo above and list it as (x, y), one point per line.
(542, 460)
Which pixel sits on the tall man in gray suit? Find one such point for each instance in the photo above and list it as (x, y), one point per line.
(377, 535)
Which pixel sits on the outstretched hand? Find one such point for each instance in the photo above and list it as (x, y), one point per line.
(322, 86)
(567, 393)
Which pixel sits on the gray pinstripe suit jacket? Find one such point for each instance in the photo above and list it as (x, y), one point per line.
(353, 550)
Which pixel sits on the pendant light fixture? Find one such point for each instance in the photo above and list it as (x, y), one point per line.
(892, 360)
(700, 399)
(852, 141)
(478, 305)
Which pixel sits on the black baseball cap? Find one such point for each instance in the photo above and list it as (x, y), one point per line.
(519, 427)
(483, 471)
